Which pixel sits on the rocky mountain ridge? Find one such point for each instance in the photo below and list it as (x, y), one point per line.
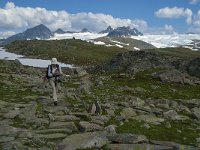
(124, 31)
(43, 32)
(38, 32)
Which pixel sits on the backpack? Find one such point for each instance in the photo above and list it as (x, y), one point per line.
(50, 67)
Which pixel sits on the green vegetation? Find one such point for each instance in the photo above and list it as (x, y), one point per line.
(14, 92)
(68, 51)
(180, 132)
(144, 80)
(177, 52)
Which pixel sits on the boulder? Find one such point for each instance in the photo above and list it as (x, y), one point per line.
(83, 141)
(53, 136)
(86, 126)
(170, 114)
(196, 113)
(12, 114)
(194, 67)
(152, 119)
(127, 113)
(68, 125)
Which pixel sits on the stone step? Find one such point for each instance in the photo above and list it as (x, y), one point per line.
(63, 117)
(50, 131)
(52, 136)
(66, 125)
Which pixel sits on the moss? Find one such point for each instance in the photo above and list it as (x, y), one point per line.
(180, 132)
(112, 121)
(185, 53)
(19, 123)
(145, 81)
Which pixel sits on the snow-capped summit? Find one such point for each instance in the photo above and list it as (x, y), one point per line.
(124, 31)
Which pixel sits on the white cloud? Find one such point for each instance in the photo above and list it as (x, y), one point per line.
(169, 28)
(14, 17)
(196, 20)
(98, 22)
(22, 17)
(195, 27)
(6, 34)
(194, 1)
(175, 12)
(166, 29)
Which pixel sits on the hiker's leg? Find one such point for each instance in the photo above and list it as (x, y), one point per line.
(52, 82)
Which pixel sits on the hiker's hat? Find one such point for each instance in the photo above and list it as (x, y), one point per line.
(54, 61)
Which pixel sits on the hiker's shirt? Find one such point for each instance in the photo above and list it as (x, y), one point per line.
(52, 71)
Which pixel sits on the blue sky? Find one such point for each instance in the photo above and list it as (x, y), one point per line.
(150, 16)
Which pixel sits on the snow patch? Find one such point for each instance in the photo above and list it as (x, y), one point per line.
(120, 46)
(120, 42)
(99, 43)
(136, 48)
(82, 36)
(40, 63)
(162, 41)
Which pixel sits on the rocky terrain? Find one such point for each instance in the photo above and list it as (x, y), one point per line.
(138, 100)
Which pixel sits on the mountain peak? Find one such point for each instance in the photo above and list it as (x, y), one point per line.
(40, 31)
(124, 31)
(84, 30)
(109, 29)
(59, 31)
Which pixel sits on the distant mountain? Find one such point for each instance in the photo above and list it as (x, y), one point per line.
(40, 31)
(190, 33)
(124, 31)
(59, 31)
(2, 40)
(85, 30)
(109, 29)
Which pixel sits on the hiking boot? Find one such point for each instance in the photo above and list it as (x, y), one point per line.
(55, 103)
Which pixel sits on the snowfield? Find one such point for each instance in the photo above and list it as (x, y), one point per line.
(83, 36)
(159, 41)
(29, 61)
(174, 40)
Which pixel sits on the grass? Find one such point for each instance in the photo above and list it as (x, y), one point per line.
(68, 51)
(12, 93)
(180, 132)
(177, 52)
(145, 81)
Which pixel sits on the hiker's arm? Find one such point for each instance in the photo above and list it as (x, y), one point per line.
(63, 74)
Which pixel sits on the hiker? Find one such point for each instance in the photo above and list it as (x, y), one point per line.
(53, 75)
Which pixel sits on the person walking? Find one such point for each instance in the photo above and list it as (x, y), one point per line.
(53, 74)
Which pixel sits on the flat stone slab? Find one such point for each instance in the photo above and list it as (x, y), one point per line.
(48, 131)
(6, 139)
(84, 140)
(12, 114)
(52, 136)
(67, 125)
(67, 118)
(86, 126)
(149, 119)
